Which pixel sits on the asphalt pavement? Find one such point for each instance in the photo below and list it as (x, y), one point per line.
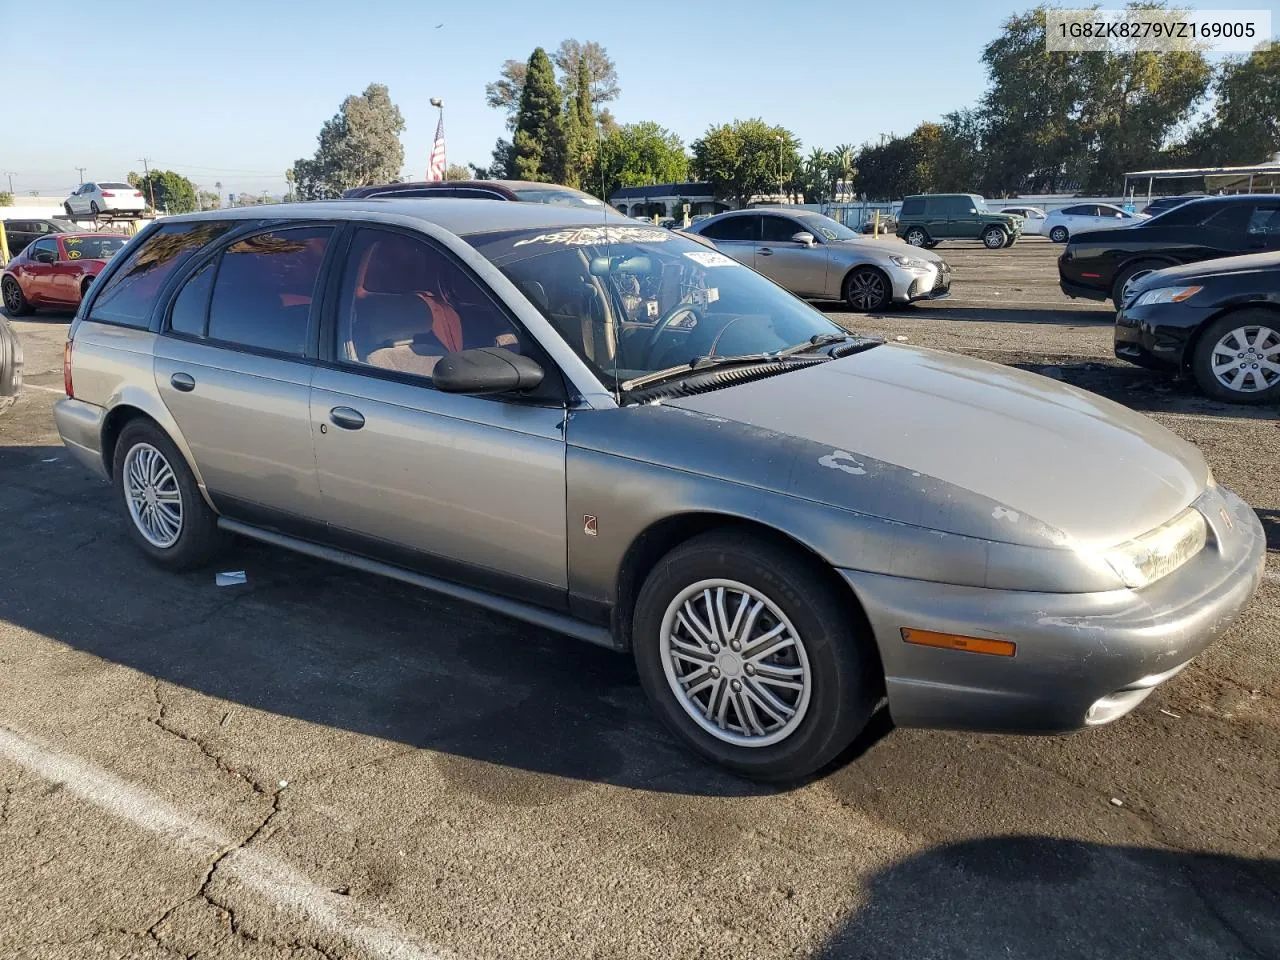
(319, 763)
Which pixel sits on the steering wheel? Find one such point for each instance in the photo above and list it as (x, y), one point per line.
(668, 318)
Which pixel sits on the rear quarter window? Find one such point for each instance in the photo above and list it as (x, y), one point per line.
(130, 292)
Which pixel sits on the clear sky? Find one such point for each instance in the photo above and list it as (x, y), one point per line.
(235, 91)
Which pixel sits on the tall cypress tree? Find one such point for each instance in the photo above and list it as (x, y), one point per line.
(580, 128)
(538, 143)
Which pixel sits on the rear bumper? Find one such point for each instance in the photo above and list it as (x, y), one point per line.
(1073, 289)
(1081, 659)
(80, 426)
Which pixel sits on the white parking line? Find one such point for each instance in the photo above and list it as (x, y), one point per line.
(272, 878)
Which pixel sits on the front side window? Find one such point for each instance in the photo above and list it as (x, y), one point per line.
(404, 305)
(958, 206)
(1265, 222)
(44, 251)
(778, 229)
(130, 291)
(1081, 210)
(561, 196)
(733, 228)
(265, 288)
(631, 299)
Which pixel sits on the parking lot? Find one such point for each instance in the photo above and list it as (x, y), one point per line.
(321, 764)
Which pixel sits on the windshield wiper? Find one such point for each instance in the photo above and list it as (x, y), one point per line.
(706, 363)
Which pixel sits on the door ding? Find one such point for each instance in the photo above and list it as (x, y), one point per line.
(471, 488)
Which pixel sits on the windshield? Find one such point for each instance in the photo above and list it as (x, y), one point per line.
(92, 248)
(556, 195)
(632, 300)
(826, 227)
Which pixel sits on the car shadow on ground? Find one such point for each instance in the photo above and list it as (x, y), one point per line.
(1271, 525)
(1026, 897)
(1041, 314)
(312, 640)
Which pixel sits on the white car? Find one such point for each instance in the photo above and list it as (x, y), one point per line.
(95, 198)
(1032, 219)
(1061, 224)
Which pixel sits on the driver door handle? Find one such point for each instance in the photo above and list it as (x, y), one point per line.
(764, 252)
(347, 418)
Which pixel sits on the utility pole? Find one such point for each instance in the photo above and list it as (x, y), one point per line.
(10, 174)
(81, 170)
(146, 175)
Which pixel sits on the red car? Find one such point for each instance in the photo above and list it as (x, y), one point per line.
(56, 271)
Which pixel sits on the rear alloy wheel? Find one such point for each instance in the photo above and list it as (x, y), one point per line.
(916, 237)
(1058, 234)
(67, 208)
(168, 517)
(1237, 358)
(993, 238)
(15, 304)
(751, 658)
(867, 289)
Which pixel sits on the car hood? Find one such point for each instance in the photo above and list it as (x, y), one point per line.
(886, 248)
(1222, 266)
(966, 446)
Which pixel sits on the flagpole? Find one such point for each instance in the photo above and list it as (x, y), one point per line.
(438, 103)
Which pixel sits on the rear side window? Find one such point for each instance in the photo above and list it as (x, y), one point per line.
(1264, 222)
(1231, 218)
(265, 287)
(130, 292)
(913, 207)
(733, 228)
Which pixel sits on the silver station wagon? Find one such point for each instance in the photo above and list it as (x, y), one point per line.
(613, 431)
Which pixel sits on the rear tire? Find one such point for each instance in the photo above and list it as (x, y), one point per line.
(1010, 242)
(1227, 343)
(1059, 234)
(993, 238)
(166, 514)
(15, 301)
(916, 236)
(867, 289)
(67, 208)
(818, 691)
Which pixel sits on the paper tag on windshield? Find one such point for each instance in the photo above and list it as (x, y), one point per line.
(651, 307)
(709, 258)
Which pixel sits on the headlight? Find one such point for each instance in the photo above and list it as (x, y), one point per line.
(910, 263)
(1145, 559)
(1167, 295)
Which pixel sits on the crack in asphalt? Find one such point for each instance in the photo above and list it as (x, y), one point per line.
(160, 720)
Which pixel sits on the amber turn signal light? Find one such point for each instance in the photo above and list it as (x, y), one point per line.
(950, 641)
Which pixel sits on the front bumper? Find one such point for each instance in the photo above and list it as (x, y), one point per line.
(80, 426)
(912, 285)
(1081, 659)
(1156, 335)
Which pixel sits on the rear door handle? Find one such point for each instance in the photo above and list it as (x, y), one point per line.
(765, 252)
(183, 381)
(346, 418)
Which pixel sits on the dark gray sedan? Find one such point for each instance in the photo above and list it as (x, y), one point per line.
(610, 430)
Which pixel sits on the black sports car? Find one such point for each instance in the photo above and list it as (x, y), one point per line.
(1218, 320)
(1099, 264)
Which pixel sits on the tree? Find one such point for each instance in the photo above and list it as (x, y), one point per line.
(457, 172)
(538, 144)
(638, 154)
(1244, 128)
(745, 158)
(173, 192)
(602, 79)
(580, 131)
(208, 200)
(360, 145)
(6, 198)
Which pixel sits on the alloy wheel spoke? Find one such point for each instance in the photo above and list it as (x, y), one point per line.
(769, 700)
(768, 643)
(694, 623)
(687, 651)
(746, 713)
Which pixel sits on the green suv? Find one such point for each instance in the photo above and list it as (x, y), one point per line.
(928, 219)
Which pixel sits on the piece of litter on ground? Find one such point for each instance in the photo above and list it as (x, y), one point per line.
(230, 578)
(1117, 802)
(901, 339)
(1170, 713)
(50, 460)
(283, 784)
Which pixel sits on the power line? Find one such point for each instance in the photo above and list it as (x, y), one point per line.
(81, 170)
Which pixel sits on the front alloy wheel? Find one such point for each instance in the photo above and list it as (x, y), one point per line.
(1245, 360)
(993, 238)
(153, 495)
(916, 237)
(735, 663)
(867, 289)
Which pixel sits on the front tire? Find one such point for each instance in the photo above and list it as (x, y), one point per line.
(167, 516)
(1237, 358)
(1127, 276)
(15, 302)
(916, 237)
(94, 208)
(751, 658)
(867, 289)
(1059, 234)
(993, 238)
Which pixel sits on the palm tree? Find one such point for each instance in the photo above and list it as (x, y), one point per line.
(815, 169)
(842, 160)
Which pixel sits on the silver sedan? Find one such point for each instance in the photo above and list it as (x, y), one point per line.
(819, 258)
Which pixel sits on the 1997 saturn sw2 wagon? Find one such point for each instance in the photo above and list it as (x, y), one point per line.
(613, 431)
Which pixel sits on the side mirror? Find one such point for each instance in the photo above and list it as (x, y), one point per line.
(973, 209)
(804, 237)
(485, 370)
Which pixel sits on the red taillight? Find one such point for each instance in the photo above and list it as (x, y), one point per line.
(137, 193)
(66, 369)
(107, 193)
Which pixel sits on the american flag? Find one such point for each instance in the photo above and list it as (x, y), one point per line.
(435, 166)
